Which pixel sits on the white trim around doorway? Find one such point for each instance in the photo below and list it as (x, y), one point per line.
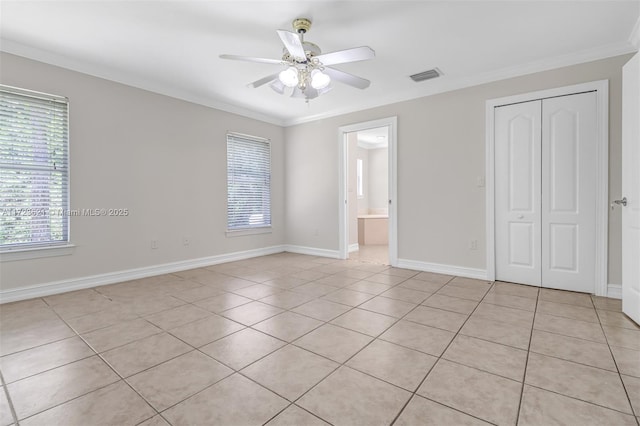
(602, 172)
(392, 124)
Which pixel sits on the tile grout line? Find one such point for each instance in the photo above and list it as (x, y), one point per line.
(299, 407)
(101, 387)
(286, 343)
(624, 387)
(108, 364)
(401, 318)
(581, 400)
(526, 364)
(40, 346)
(343, 364)
(66, 401)
(239, 371)
(575, 362)
(193, 349)
(415, 392)
(5, 389)
(53, 368)
(555, 333)
(323, 323)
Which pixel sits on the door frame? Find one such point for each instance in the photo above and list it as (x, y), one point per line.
(601, 87)
(343, 217)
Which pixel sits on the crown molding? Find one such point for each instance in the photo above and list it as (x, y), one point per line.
(448, 84)
(128, 79)
(445, 85)
(634, 37)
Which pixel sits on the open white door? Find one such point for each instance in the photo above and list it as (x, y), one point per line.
(631, 188)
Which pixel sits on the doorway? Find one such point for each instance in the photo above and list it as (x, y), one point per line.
(367, 191)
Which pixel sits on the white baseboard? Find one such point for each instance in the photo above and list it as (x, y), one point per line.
(458, 271)
(71, 284)
(62, 286)
(614, 291)
(354, 247)
(312, 251)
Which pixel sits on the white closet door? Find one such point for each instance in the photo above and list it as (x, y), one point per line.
(569, 137)
(517, 192)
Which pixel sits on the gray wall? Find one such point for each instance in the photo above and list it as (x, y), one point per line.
(378, 179)
(165, 160)
(162, 158)
(441, 152)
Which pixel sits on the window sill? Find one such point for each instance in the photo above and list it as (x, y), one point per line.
(36, 252)
(248, 231)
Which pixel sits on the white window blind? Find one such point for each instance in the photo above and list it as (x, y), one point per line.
(34, 169)
(248, 182)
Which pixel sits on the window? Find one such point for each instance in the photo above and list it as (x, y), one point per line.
(248, 182)
(359, 178)
(34, 169)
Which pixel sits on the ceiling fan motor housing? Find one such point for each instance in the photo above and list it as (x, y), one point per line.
(310, 49)
(301, 25)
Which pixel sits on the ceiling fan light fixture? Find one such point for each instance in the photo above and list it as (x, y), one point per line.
(307, 70)
(319, 80)
(289, 77)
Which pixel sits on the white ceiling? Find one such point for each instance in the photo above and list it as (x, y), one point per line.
(172, 47)
(373, 138)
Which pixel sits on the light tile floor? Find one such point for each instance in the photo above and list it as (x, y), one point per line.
(377, 253)
(298, 340)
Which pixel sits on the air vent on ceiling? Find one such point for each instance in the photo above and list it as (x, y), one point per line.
(426, 75)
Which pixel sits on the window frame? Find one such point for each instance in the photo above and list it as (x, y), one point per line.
(49, 248)
(248, 230)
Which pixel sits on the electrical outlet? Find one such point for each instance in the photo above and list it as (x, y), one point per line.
(480, 182)
(186, 241)
(154, 244)
(473, 244)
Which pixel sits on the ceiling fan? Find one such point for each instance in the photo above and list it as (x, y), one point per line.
(307, 69)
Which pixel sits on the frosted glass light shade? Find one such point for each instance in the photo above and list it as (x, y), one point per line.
(289, 77)
(319, 80)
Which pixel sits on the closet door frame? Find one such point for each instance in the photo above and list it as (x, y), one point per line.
(601, 87)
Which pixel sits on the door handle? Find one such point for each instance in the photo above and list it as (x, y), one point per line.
(622, 202)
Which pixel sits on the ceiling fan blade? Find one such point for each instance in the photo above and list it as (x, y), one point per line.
(277, 86)
(264, 80)
(325, 90)
(293, 44)
(347, 78)
(251, 59)
(361, 53)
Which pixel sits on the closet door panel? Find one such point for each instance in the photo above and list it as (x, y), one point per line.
(569, 137)
(517, 192)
